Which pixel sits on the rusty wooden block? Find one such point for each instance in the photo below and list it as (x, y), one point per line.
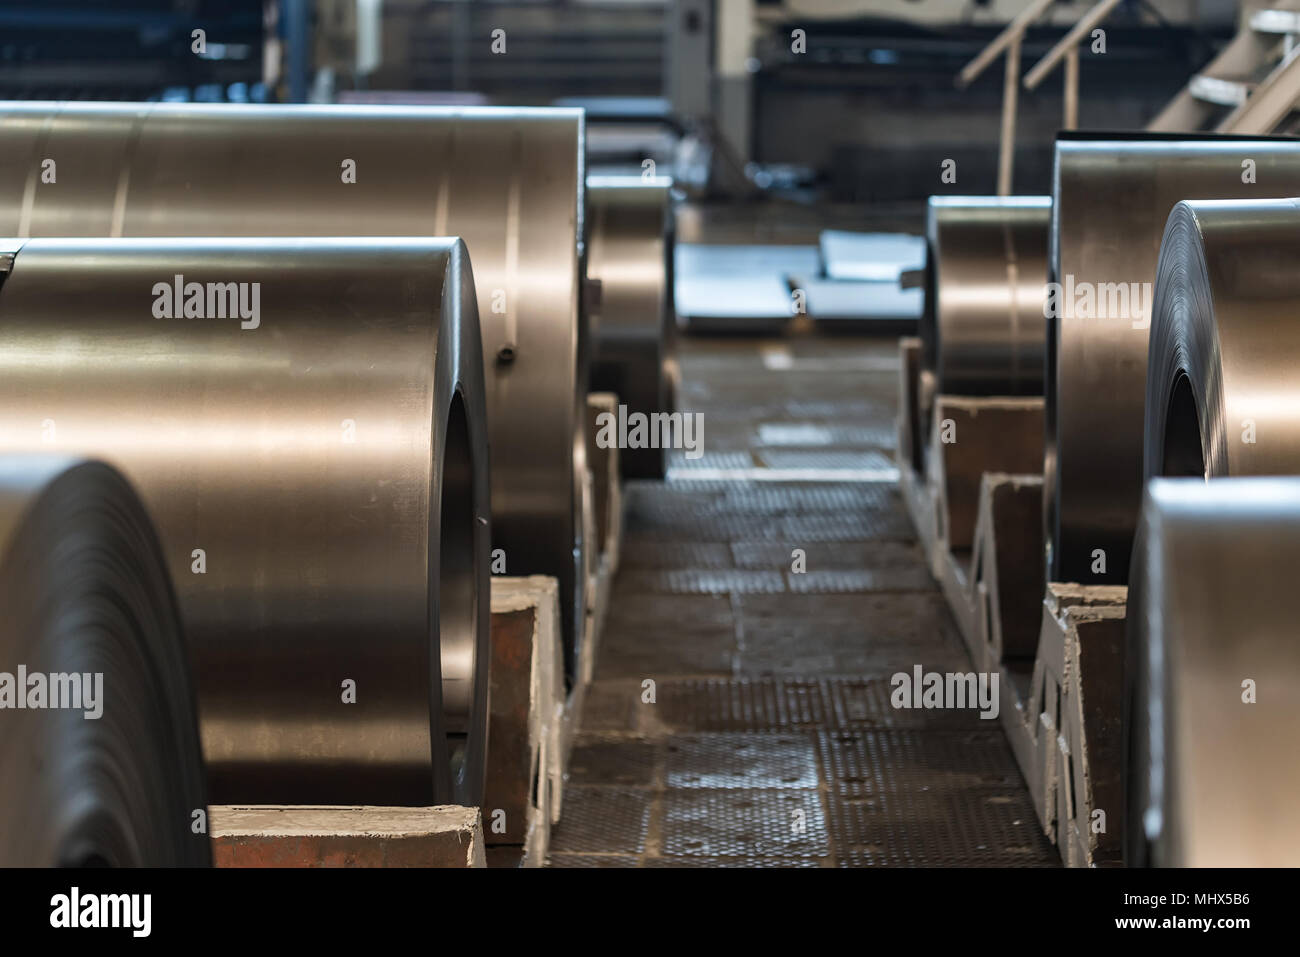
(303, 836)
(524, 771)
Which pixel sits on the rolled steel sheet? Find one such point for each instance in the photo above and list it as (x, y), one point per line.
(1213, 672)
(983, 327)
(100, 761)
(1223, 397)
(635, 329)
(318, 477)
(1110, 202)
(507, 181)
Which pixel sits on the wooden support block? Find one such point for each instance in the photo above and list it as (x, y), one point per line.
(591, 567)
(525, 775)
(909, 445)
(605, 528)
(1066, 733)
(968, 437)
(1093, 731)
(1045, 757)
(301, 836)
(909, 452)
(606, 491)
(1058, 648)
(926, 390)
(1007, 575)
(1062, 596)
(920, 506)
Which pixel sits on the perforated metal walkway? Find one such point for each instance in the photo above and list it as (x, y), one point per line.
(770, 740)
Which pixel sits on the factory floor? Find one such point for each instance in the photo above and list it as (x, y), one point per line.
(740, 713)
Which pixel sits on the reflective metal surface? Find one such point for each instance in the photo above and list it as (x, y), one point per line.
(1214, 675)
(982, 329)
(85, 593)
(318, 477)
(1223, 397)
(1110, 202)
(631, 254)
(509, 182)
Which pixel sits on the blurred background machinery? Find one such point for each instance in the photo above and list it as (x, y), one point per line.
(809, 98)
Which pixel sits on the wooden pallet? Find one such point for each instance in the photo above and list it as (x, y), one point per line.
(1057, 649)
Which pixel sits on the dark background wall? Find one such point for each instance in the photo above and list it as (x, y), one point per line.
(870, 107)
(873, 106)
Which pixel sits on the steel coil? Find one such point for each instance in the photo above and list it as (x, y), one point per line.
(1213, 674)
(982, 330)
(1222, 394)
(509, 182)
(634, 331)
(100, 761)
(1110, 201)
(318, 477)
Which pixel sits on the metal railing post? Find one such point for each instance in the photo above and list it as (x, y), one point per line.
(1007, 41)
(1010, 99)
(1070, 120)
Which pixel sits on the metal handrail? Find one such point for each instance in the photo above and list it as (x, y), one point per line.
(1269, 103)
(1007, 41)
(1013, 33)
(1069, 42)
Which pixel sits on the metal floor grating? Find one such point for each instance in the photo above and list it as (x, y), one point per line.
(726, 761)
(770, 740)
(779, 704)
(603, 820)
(979, 828)
(903, 761)
(706, 581)
(724, 823)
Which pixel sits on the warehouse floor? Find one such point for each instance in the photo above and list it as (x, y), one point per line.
(740, 714)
